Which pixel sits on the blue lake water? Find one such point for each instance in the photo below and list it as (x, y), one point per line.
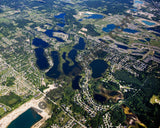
(98, 67)
(73, 69)
(99, 98)
(64, 55)
(80, 45)
(158, 57)
(40, 43)
(148, 39)
(148, 23)
(54, 72)
(156, 29)
(61, 24)
(133, 48)
(130, 30)
(157, 54)
(122, 46)
(60, 16)
(109, 27)
(75, 82)
(156, 34)
(134, 10)
(144, 52)
(94, 16)
(138, 2)
(66, 67)
(72, 55)
(58, 39)
(49, 33)
(42, 61)
(26, 120)
(62, 19)
(80, 20)
(142, 40)
(103, 41)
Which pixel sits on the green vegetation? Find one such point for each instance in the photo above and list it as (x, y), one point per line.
(56, 94)
(1, 11)
(111, 86)
(6, 28)
(140, 103)
(68, 95)
(126, 77)
(96, 121)
(1, 111)
(155, 99)
(117, 116)
(10, 100)
(91, 30)
(41, 88)
(101, 54)
(9, 82)
(17, 29)
(119, 7)
(21, 23)
(70, 20)
(58, 117)
(55, 112)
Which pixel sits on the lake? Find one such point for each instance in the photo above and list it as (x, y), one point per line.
(72, 55)
(109, 27)
(53, 72)
(26, 119)
(42, 61)
(138, 2)
(62, 19)
(130, 30)
(148, 39)
(156, 29)
(61, 24)
(74, 69)
(80, 45)
(66, 67)
(58, 39)
(142, 40)
(157, 54)
(148, 22)
(80, 20)
(94, 16)
(64, 55)
(156, 34)
(40, 43)
(98, 67)
(75, 82)
(122, 46)
(99, 98)
(134, 10)
(60, 16)
(50, 32)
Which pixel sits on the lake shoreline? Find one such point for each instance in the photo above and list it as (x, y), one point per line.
(33, 103)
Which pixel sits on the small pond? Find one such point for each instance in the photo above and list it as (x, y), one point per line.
(26, 119)
(148, 22)
(98, 67)
(109, 28)
(42, 61)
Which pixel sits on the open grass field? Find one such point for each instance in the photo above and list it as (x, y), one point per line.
(1, 111)
(10, 100)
